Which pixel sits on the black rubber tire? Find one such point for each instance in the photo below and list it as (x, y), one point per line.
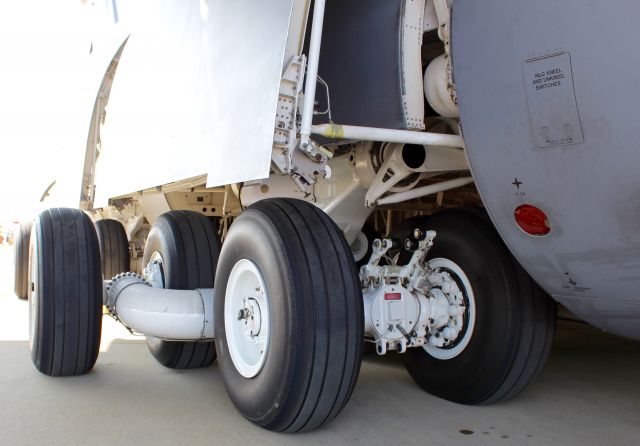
(315, 351)
(189, 246)
(21, 260)
(66, 317)
(404, 229)
(114, 248)
(515, 319)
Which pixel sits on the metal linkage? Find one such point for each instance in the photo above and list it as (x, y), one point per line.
(356, 133)
(311, 82)
(424, 191)
(411, 305)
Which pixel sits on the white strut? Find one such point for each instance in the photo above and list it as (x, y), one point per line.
(177, 315)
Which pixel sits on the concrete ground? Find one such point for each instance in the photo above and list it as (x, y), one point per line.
(589, 394)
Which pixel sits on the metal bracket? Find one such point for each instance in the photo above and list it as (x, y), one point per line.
(285, 137)
(304, 164)
(409, 274)
(392, 171)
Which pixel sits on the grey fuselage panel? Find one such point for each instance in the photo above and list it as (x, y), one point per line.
(548, 99)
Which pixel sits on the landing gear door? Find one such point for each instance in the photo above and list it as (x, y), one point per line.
(247, 51)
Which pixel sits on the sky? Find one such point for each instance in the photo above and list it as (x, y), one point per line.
(43, 52)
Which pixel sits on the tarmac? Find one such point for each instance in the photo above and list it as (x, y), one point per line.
(588, 394)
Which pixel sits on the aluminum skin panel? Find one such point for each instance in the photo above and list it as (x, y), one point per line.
(251, 38)
(195, 93)
(569, 147)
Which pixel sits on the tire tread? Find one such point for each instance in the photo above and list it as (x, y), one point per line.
(533, 319)
(70, 290)
(194, 242)
(337, 354)
(114, 247)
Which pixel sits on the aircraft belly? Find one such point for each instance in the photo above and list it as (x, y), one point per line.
(548, 101)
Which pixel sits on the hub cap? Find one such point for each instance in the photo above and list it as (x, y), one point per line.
(452, 287)
(153, 273)
(360, 246)
(246, 318)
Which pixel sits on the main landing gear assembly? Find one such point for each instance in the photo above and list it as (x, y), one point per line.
(289, 310)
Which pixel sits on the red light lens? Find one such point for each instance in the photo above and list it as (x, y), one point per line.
(532, 220)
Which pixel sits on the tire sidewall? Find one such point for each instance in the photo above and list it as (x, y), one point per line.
(486, 360)
(257, 398)
(114, 247)
(66, 342)
(183, 268)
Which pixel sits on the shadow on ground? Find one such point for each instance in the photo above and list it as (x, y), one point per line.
(588, 394)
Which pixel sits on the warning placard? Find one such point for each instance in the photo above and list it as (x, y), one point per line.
(552, 102)
(549, 79)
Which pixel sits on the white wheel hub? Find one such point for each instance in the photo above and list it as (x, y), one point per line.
(153, 273)
(442, 317)
(452, 294)
(360, 246)
(247, 318)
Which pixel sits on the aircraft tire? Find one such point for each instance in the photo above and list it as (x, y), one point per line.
(514, 323)
(114, 247)
(187, 247)
(286, 264)
(66, 301)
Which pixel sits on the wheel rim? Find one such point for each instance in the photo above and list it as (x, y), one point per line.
(247, 318)
(360, 246)
(34, 275)
(154, 271)
(455, 346)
